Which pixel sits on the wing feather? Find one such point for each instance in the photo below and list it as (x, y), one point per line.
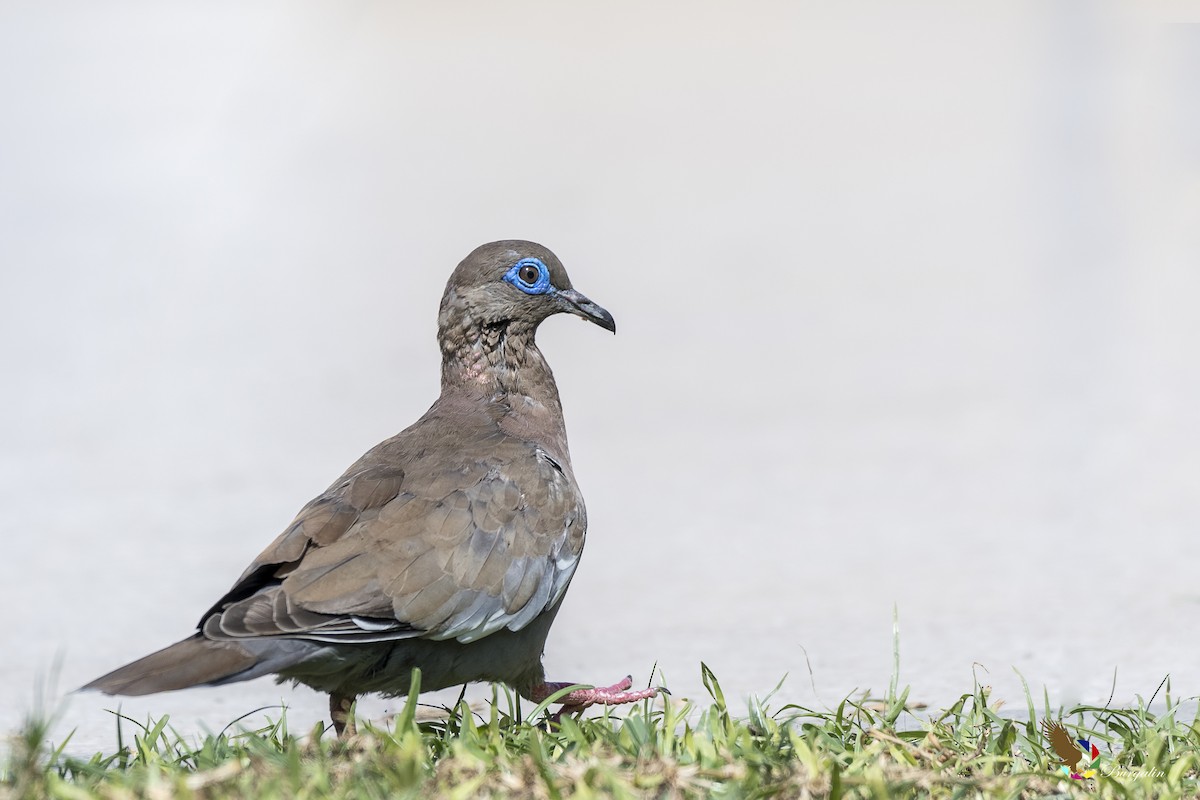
(437, 550)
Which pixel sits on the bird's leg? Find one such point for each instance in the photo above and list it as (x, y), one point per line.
(341, 711)
(615, 695)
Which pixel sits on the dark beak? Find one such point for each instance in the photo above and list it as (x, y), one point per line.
(579, 305)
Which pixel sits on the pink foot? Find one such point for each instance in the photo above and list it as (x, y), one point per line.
(614, 695)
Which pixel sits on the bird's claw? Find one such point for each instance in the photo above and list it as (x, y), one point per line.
(573, 702)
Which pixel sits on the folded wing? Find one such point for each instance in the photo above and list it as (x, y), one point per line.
(458, 551)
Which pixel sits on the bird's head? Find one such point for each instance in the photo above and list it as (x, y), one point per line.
(513, 285)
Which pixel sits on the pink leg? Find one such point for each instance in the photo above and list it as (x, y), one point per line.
(614, 695)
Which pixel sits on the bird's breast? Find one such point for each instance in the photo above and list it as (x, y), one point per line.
(539, 423)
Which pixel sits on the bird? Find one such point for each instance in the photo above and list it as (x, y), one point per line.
(448, 547)
(1063, 745)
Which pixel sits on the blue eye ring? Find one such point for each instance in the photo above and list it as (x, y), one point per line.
(539, 286)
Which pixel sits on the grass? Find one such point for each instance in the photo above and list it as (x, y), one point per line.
(861, 749)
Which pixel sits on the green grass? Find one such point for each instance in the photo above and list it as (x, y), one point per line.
(862, 748)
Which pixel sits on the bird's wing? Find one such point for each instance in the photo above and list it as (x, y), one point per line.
(443, 549)
(1062, 743)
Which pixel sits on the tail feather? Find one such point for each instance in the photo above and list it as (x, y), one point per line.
(193, 662)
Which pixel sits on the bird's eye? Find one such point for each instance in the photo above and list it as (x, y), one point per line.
(530, 276)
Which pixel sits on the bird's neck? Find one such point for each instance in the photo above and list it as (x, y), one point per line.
(498, 362)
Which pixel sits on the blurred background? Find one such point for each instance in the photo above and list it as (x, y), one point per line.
(906, 299)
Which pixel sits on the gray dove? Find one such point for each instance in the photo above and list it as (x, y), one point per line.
(447, 547)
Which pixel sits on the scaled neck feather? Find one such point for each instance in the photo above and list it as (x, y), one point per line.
(496, 362)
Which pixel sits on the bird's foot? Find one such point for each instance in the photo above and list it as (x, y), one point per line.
(341, 711)
(617, 694)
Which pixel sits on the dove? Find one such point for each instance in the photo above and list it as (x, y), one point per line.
(448, 547)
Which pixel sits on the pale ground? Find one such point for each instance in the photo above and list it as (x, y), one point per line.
(907, 313)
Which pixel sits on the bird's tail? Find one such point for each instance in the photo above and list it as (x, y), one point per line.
(193, 662)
